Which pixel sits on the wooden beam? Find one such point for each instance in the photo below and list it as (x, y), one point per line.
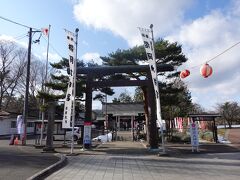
(108, 70)
(119, 83)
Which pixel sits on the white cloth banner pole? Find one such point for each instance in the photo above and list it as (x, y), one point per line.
(148, 44)
(150, 52)
(19, 124)
(69, 106)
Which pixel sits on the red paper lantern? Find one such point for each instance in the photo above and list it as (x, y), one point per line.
(184, 73)
(206, 70)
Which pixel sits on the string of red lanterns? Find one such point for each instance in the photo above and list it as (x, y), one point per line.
(185, 73)
(205, 70)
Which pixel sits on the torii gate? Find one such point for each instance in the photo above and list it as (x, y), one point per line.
(93, 72)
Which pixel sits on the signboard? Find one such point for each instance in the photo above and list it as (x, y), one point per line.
(79, 122)
(194, 136)
(87, 133)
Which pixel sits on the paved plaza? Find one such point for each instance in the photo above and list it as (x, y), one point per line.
(131, 160)
(124, 160)
(21, 162)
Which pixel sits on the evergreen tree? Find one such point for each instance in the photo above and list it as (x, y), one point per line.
(174, 94)
(123, 98)
(57, 87)
(173, 91)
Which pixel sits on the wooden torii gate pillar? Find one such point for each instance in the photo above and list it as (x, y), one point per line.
(93, 72)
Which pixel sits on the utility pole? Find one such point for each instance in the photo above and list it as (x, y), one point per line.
(25, 108)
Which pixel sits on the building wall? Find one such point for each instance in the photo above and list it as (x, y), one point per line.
(5, 127)
(8, 126)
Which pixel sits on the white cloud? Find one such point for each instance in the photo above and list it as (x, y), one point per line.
(205, 38)
(201, 39)
(52, 57)
(7, 38)
(85, 43)
(123, 17)
(10, 38)
(95, 57)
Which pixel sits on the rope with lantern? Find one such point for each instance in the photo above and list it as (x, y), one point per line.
(205, 70)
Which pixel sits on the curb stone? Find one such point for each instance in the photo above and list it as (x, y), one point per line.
(51, 169)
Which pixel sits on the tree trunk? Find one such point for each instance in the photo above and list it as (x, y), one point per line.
(0, 103)
(1, 100)
(144, 89)
(50, 128)
(152, 127)
(229, 124)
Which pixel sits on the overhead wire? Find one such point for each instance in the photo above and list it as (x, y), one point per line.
(224, 51)
(17, 23)
(21, 36)
(53, 48)
(217, 55)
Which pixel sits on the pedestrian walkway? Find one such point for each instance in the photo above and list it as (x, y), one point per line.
(131, 160)
(19, 162)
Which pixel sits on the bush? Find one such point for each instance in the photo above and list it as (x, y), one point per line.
(200, 134)
(186, 138)
(142, 136)
(176, 138)
(208, 136)
(180, 138)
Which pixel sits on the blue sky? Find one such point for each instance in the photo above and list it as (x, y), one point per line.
(59, 14)
(203, 27)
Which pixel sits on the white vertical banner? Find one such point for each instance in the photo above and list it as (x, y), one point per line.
(19, 124)
(149, 48)
(70, 95)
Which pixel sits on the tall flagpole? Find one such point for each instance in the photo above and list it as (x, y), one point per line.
(44, 88)
(159, 116)
(74, 89)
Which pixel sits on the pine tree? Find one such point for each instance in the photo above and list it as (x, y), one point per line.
(57, 87)
(174, 93)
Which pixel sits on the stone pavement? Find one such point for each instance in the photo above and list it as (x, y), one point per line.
(131, 160)
(21, 162)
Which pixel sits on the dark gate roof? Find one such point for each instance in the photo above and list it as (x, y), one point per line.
(204, 117)
(123, 109)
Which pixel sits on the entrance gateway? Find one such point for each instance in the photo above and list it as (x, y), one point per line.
(100, 72)
(126, 120)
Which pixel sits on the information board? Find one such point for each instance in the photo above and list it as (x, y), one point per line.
(87, 133)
